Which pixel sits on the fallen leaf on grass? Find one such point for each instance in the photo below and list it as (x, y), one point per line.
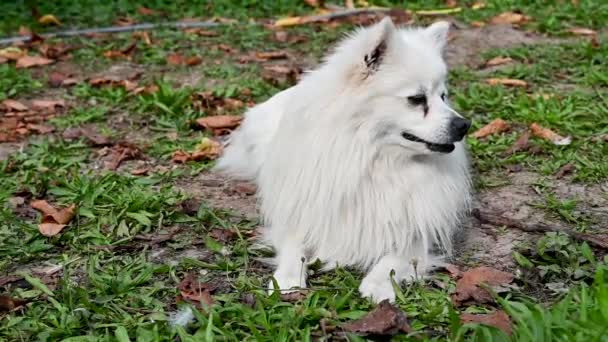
(496, 126)
(53, 220)
(222, 235)
(57, 79)
(147, 11)
(226, 48)
(499, 61)
(124, 53)
(469, 286)
(49, 19)
(565, 170)
(47, 106)
(32, 61)
(122, 152)
(507, 82)
(386, 320)
(8, 304)
(125, 21)
(219, 123)
(272, 55)
(512, 18)
(12, 53)
(582, 31)
(128, 85)
(191, 289)
(546, 133)
(200, 32)
(40, 129)
(498, 319)
(13, 105)
(207, 150)
(92, 136)
(521, 144)
(56, 51)
(294, 296)
(178, 59)
(280, 74)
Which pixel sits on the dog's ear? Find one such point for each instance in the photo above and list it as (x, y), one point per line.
(380, 36)
(437, 33)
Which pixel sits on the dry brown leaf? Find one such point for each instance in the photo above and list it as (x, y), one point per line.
(200, 32)
(478, 5)
(146, 11)
(506, 82)
(510, 18)
(47, 105)
(545, 133)
(498, 319)
(147, 90)
(226, 48)
(281, 73)
(57, 79)
(478, 24)
(565, 170)
(294, 296)
(13, 105)
(499, 61)
(140, 171)
(521, 144)
(12, 53)
(125, 21)
(180, 157)
(198, 292)
(496, 126)
(272, 55)
(8, 304)
(454, 271)
(207, 150)
(469, 286)
(175, 59)
(56, 51)
(124, 53)
(92, 136)
(219, 122)
(194, 60)
(32, 61)
(49, 19)
(386, 320)
(40, 129)
(582, 31)
(53, 220)
(222, 235)
(122, 152)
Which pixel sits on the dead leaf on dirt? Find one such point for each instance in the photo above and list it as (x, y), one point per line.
(565, 170)
(49, 106)
(496, 126)
(13, 105)
(140, 171)
(507, 82)
(281, 74)
(498, 319)
(386, 320)
(40, 129)
(128, 85)
(207, 150)
(12, 53)
(545, 133)
(226, 48)
(49, 19)
(498, 61)
(582, 31)
(218, 123)
(294, 296)
(32, 61)
(200, 32)
(512, 18)
(147, 11)
(92, 136)
(521, 144)
(53, 220)
(454, 271)
(8, 304)
(57, 79)
(122, 152)
(191, 289)
(178, 59)
(222, 235)
(272, 55)
(56, 51)
(124, 53)
(469, 286)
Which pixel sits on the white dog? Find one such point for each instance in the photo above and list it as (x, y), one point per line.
(361, 163)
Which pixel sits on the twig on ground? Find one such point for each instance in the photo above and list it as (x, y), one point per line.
(495, 219)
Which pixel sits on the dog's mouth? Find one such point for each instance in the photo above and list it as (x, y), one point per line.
(435, 147)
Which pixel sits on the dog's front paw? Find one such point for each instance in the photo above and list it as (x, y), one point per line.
(287, 283)
(377, 290)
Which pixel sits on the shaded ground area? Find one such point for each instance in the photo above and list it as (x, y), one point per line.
(125, 127)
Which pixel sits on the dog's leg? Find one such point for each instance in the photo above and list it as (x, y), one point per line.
(291, 267)
(377, 284)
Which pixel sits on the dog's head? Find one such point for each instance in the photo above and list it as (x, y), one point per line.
(399, 79)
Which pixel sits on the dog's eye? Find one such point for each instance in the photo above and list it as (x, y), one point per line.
(443, 96)
(417, 100)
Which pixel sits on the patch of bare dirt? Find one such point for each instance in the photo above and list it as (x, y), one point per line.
(467, 43)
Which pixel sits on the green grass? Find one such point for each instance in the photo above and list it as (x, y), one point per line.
(116, 285)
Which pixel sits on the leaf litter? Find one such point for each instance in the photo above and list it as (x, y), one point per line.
(470, 286)
(498, 319)
(53, 220)
(385, 320)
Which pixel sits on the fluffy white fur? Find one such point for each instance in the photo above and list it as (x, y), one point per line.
(337, 179)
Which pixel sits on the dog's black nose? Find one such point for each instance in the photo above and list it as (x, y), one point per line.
(459, 128)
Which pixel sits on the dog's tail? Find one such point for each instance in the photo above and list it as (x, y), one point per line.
(245, 150)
